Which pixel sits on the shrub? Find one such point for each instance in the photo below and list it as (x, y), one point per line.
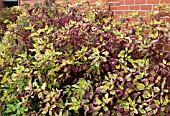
(8, 16)
(76, 60)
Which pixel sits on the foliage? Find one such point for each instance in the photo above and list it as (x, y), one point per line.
(75, 60)
(8, 16)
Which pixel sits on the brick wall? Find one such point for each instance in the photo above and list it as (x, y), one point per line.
(125, 6)
(1, 4)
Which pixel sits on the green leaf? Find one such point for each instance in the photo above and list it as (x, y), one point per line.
(73, 99)
(50, 113)
(164, 61)
(150, 86)
(107, 100)
(112, 92)
(103, 58)
(97, 108)
(98, 101)
(117, 66)
(156, 33)
(129, 90)
(101, 38)
(105, 108)
(146, 94)
(47, 99)
(43, 86)
(139, 99)
(124, 104)
(163, 83)
(85, 58)
(155, 111)
(161, 21)
(58, 53)
(140, 86)
(116, 32)
(130, 100)
(106, 53)
(126, 49)
(76, 86)
(120, 78)
(166, 90)
(6, 21)
(146, 83)
(166, 100)
(121, 54)
(44, 110)
(148, 108)
(96, 51)
(157, 102)
(135, 111)
(74, 108)
(156, 89)
(140, 37)
(130, 60)
(158, 79)
(142, 111)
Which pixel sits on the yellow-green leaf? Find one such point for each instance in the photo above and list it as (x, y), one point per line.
(140, 86)
(156, 89)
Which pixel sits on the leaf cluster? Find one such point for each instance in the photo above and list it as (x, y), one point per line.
(7, 17)
(76, 60)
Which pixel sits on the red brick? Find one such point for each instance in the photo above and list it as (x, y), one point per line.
(140, 2)
(146, 19)
(133, 20)
(111, 4)
(114, 8)
(166, 1)
(122, 2)
(153, 1)
(129, 1)
(128, 12)
(92, 1)
(123, 8)
(117, 4)
(104, 0)
(118, 12)
(115, 16)
(136, 7)
(146, 7)
(113, 0)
